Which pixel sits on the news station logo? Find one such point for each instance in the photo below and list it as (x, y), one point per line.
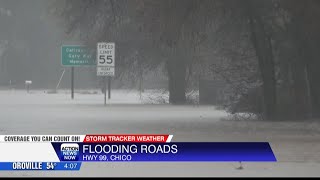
(69, 152)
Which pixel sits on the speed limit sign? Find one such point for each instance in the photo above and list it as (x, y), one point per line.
(105, 59)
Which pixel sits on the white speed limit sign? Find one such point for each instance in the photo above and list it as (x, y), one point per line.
(105, 58)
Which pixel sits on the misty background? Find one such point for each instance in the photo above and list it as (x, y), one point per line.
(30, 47)
(31, 44)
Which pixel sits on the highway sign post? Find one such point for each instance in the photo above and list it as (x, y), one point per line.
(76, 56)
(106, 64)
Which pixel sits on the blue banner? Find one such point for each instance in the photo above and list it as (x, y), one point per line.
(180, 151)
(40, 166)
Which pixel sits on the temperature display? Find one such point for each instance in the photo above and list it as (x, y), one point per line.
(40, 166)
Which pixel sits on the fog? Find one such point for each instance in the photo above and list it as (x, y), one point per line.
(31, 40)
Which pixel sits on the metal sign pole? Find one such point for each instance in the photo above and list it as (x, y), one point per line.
(105, 89)
(72, 82)
(60, 79)
(109, 87)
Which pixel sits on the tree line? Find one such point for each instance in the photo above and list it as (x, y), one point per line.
(265, 51)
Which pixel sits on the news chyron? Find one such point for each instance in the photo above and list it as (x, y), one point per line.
(68, 152)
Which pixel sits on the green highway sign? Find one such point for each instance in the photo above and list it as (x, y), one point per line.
(77, 55)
